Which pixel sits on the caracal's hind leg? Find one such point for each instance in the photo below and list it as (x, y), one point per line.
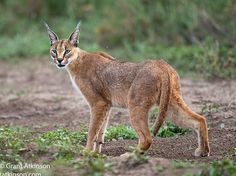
(139, 121)
(101, 134)
(99, 112)
(141, 97)
(182, 115)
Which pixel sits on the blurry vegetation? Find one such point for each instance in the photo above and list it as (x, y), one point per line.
(218, 168)
(224, 167)
(192, 35)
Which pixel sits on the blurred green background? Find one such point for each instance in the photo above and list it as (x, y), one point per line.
(195, 36)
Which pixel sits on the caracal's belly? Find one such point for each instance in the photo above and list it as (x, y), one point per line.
(119, 99)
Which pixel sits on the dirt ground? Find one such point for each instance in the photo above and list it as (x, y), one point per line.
(34, 93)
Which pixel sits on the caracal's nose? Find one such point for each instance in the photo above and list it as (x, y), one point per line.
(59, 60)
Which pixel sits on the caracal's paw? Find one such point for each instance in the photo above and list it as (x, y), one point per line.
(201, 153)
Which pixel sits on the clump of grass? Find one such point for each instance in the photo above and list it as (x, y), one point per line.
(61, 135)
(13, 140)
(120, 131)
(209, 108)
(169, 129)
(219, 168)
(224, 167)
(13, 137)
(67, 143)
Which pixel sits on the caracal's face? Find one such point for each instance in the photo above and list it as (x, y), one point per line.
(62, 53)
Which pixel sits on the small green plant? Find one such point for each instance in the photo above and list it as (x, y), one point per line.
(169, 129)
(14, 139)
(120, 131)
(209, 108)
(218, 168)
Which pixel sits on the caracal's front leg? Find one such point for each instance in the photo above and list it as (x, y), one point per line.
(99, 111)
(101, 134)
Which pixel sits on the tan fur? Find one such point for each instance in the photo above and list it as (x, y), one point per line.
(106, 82)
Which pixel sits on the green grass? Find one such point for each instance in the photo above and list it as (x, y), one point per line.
(225, 167)
(66, 153)
(14, 140)
(66, 144)
(219, 168)
(168, 129)
(209, 108)
(120, 131)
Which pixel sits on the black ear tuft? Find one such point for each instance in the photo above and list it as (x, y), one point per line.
(52, 35)
(73, 39)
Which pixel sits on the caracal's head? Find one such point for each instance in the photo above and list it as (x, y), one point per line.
(63, 51)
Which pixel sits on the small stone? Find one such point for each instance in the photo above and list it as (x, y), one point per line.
(113, 140)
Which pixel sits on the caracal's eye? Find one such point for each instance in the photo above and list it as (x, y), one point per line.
(67, 51)
(54, 51)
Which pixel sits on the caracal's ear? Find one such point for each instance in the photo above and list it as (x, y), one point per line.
(73, 39)
(52, 35)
